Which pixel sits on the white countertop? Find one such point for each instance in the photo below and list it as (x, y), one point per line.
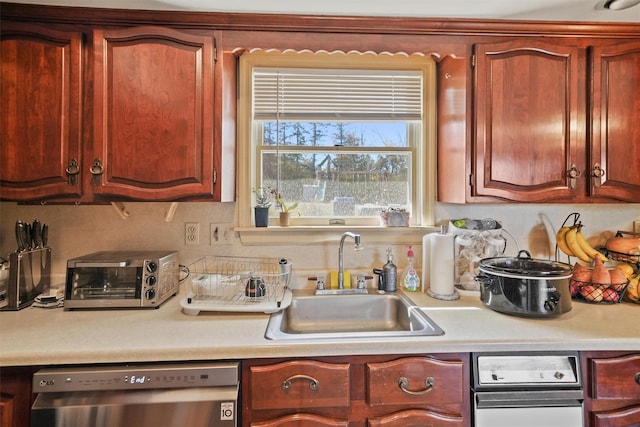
(38, 336)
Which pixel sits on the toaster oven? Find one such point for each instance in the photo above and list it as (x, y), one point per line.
(121, 279)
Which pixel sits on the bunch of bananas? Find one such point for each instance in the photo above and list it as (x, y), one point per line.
(572, 242)
(633, 288)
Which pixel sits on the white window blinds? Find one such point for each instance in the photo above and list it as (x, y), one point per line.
(301, 94)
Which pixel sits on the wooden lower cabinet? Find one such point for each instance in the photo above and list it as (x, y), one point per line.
(358, 391)
(15, 396)
(417, 417)
(612, 391)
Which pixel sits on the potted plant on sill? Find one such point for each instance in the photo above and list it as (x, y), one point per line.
(285, 210)
(261, 209)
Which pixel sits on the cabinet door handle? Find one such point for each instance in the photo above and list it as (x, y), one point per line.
(314, 384)
(72, 171)
(596, 174)
(638, 378)
(403, 383)
(96, 170)
(573, 174)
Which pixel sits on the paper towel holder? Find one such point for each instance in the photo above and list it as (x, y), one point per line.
(454, 295)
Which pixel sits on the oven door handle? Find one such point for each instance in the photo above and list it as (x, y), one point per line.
(101, 264)
(524, 399)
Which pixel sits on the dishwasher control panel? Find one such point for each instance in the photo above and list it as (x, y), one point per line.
(136, 377)
(524, 370)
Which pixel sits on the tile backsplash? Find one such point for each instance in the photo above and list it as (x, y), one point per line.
(77, 230)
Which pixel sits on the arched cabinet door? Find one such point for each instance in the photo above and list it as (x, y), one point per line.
(40, 124)
(615, 139)
(153, 114)
(529, 118)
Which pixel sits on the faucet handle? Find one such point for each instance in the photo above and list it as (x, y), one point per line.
(320, 284)
(380, 274)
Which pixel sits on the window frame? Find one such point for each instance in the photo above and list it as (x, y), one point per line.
(424, 177)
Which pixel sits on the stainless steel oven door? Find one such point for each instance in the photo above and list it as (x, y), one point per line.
(541, 408)
(103, 285)
(193, 407)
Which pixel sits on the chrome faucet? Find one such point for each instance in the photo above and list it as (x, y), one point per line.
(357, 247)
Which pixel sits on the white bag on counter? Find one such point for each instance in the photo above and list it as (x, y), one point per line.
(483, 239)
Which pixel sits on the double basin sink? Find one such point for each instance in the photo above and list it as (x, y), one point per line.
(370, 315)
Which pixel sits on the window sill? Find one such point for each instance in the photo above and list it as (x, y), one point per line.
(311, 235)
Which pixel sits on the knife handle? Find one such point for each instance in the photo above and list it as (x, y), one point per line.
(19, 240)
(45, 235)
(27, 236)
(21, 236)
(36, 234)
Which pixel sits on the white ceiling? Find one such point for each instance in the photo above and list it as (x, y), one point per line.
(564, 10)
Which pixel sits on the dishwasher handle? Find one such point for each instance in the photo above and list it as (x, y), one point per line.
(529, 398)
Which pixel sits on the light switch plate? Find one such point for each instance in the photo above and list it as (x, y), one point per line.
(221, 234)
(636, 226)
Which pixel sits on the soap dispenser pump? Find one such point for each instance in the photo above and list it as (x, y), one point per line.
(410, 278)
(390, 273)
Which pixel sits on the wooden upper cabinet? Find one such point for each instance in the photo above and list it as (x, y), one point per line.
(153, 114)
(550, 123)
(529, 121)
(615, 110)
(40, 100)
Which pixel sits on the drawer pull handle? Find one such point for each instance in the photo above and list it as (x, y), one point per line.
(638, 378)
(403, 383)
(314, 384)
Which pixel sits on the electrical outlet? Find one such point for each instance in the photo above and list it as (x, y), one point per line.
(221, 234)
(192, 233)
(636, 226)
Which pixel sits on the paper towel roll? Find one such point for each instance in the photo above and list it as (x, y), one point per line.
(441, 271)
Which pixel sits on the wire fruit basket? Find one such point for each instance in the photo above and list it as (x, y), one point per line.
(624, 257)
(597, 293)
(238, 284)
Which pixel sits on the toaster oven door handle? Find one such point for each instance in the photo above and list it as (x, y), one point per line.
(101, 264)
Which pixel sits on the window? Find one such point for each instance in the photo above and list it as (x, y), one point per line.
(344, 135)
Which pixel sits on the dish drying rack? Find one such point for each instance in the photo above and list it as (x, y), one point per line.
(219, 283)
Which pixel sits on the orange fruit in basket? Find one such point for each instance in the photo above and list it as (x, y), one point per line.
(626, 269)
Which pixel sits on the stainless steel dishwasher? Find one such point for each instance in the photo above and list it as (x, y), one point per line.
(527, 390)
(158, 395)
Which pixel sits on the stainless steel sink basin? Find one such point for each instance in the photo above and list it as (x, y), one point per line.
(349, 316)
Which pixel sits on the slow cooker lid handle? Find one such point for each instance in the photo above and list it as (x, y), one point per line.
(523, 251)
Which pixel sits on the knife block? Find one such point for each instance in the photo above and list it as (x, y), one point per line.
(29, 276)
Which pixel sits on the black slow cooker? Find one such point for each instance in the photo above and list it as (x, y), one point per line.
(525, 286)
